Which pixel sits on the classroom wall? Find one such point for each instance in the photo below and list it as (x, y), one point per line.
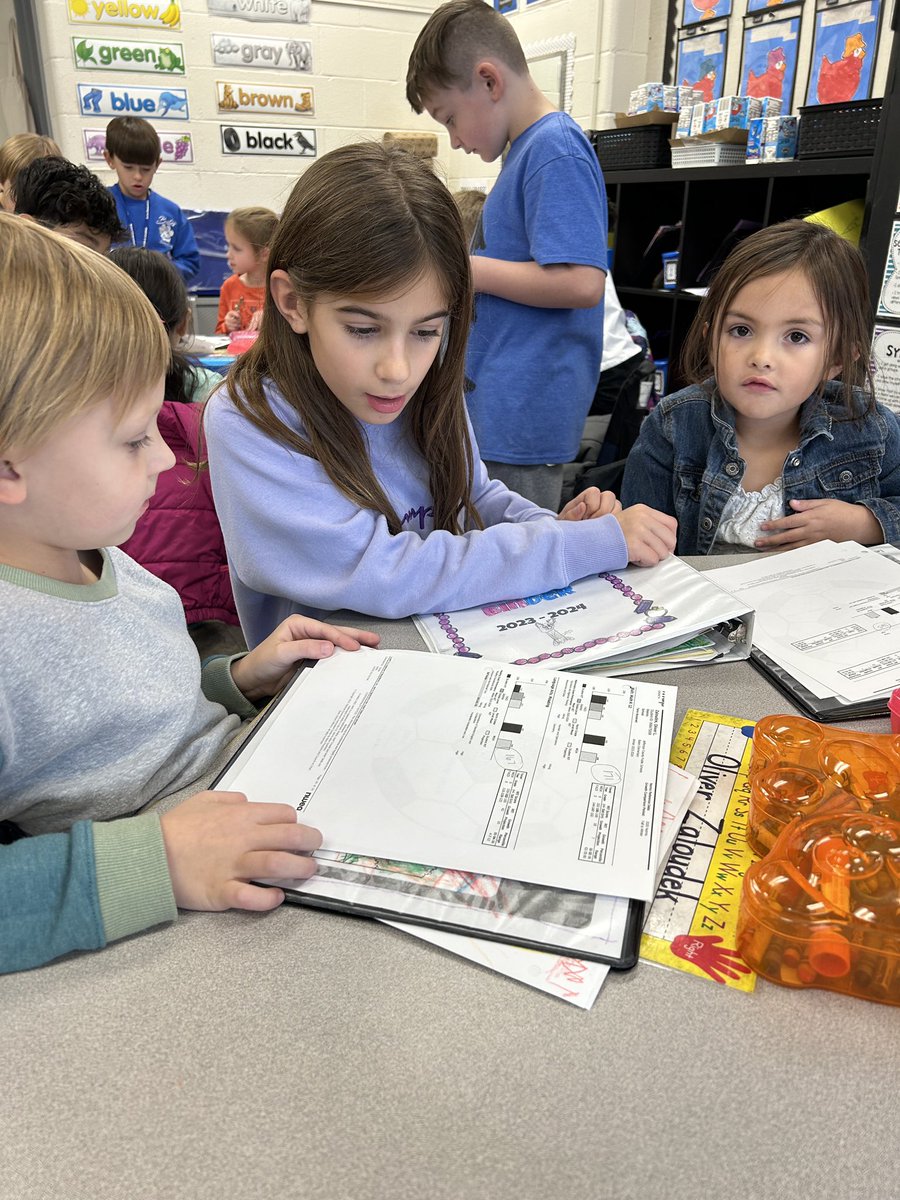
(12, 104)
(360, 52)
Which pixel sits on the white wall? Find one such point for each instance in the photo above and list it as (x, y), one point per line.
(360, 53)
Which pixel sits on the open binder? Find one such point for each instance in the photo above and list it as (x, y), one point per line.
(820, 708)
(390, 753)
(827, 625)
(620, 622)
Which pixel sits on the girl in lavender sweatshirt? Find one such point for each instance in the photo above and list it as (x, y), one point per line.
(343, 465)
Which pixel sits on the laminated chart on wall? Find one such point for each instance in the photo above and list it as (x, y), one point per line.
(692, 922)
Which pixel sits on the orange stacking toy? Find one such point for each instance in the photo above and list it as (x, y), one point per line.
(822, 908)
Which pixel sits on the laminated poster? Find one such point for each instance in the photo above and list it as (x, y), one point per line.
(889, 304)
(886, 366)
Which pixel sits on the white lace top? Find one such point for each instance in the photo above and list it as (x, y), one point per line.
(746, 511)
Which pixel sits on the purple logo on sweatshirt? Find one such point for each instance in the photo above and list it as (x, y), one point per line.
(421, 514)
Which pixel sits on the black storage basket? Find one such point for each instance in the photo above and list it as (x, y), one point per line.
(837, 130)
(635, 148)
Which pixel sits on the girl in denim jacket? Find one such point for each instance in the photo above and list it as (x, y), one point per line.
(778, 441)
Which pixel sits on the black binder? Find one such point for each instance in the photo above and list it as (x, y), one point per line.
(827, 708)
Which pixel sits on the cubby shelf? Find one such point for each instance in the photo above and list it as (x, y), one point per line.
(708, 202)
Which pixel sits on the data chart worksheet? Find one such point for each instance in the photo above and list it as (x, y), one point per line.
(541, 776)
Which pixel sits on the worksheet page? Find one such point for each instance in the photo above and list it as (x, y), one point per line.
(828, 613)
(539, 776)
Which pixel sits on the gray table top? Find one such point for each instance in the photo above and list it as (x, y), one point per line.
(300, 1053)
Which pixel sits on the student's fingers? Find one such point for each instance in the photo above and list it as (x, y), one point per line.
(224, 797)
(609, 503)
(651, 551)
(365, 637)
(282, 832)
(788, 539)
(660, 536)
(655, 542)
(238, 894)
(778, 524)
(276, 864)
(591, 498)
(575, 510)
(298, 629)
(347, 638)
(805, 505)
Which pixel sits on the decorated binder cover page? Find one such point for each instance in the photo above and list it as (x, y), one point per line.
(616, 614)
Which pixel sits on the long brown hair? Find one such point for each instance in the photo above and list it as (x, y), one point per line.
(365, 221)
(837, 276)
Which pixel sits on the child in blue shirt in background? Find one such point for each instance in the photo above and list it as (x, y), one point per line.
(539, 255)
(778, 441)
(153, 223)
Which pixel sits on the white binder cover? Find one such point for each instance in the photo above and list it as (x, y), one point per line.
(600, 621)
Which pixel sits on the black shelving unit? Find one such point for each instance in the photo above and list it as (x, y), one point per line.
(703, 205)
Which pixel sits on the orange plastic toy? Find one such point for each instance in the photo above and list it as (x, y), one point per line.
(822, 908)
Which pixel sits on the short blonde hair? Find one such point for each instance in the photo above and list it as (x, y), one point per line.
(20, 150)
(256, 224)
(53, 366)
(470, 202)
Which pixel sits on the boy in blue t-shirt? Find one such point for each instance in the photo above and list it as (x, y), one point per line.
(153, 223)
(539, 256)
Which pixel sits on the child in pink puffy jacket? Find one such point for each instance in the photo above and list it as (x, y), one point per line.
(179, 539)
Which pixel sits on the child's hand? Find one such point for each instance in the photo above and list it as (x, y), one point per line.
(256, 319)
(232, 320)
(265, 670)
(589, 504)
(216, 842)
(649, 535)
(818, 520)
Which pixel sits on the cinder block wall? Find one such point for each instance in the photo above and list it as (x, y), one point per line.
(360, 52)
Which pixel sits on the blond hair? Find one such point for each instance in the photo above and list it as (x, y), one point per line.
(54, 368)
(20, 150)
(256, 224)
(470, 202)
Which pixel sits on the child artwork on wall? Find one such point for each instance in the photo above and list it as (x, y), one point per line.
(763, 5)
(701, 62)
(704, 10)
(843, 53)
(769, 64)
(506, 6)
